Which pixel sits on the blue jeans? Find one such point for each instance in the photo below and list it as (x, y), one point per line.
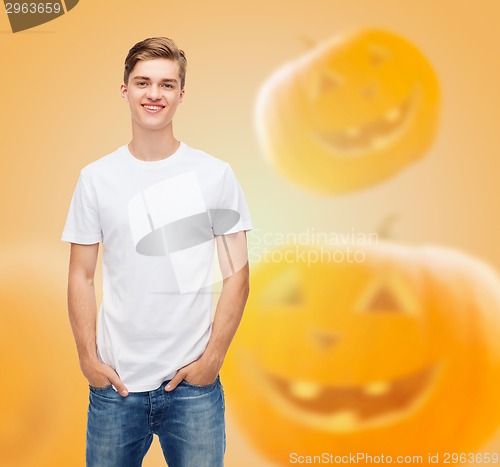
(189, 422)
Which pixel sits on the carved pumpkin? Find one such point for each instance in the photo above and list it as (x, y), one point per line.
(44, 395)
(352, 112)
(398, 354)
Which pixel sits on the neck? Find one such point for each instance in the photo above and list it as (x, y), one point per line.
(153, 146)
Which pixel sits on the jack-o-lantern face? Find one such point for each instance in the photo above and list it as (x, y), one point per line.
(367, 356)
(351, 403)
(349, 114)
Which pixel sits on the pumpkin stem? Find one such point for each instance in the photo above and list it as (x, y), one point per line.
(308, 42)
(384, 230)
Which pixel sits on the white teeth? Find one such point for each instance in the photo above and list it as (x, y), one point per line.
(393, 114)
(305, 389)
(377, 389)
(152, 107)
(310, 390)
(344, 420)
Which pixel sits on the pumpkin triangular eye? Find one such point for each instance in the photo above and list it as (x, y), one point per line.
(378, 54)
(328, 82)
(324, 82)
(284, 290)
(384, 300)
(388, 294)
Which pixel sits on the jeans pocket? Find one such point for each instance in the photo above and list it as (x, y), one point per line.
(200, 386)
(100, 389)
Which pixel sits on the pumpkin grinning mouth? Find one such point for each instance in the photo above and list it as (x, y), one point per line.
(346, 408)
(367, 401)
(377, 134)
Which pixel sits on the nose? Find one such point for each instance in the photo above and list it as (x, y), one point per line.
(324, 340)
(153, 92)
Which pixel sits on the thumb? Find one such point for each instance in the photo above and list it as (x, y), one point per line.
(117, 383)
(172, 384)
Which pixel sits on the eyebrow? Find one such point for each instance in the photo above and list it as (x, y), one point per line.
(164, 80)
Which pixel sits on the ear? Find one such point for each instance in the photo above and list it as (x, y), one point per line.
(124, 92)
(181, 96)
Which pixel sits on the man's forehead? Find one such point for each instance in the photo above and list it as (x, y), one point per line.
(157, 68)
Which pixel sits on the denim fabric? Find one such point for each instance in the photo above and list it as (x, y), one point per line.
(189, 422)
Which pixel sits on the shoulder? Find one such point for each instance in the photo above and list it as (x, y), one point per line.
(104, 164)
(208, 161)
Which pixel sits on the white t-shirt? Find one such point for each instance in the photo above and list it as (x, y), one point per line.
(157, 222)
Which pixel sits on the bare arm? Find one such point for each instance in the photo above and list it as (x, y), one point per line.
(232, 252)
(82, 310)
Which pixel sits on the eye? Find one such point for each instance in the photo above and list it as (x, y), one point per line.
(141, 83)
(166, 85)
(378, 55)
(388, 294)
(325, 82)
(384, 299)
(328, 82)
(284, 290)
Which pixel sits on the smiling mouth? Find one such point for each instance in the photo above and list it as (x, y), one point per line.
(152, 108)
(347, 408)
(374, 135)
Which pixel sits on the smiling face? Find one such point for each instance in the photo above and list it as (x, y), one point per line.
(344, 399)
(153, 92)
(350, 113)
(379, 93)
(349, 357)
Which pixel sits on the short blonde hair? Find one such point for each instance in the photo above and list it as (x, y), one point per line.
(155, 47)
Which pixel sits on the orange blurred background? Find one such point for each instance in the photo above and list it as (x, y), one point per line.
(61, 109)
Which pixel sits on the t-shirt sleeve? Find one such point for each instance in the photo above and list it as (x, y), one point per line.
(83, 223)
(232, 200)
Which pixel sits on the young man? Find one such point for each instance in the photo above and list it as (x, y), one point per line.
(166, 214)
